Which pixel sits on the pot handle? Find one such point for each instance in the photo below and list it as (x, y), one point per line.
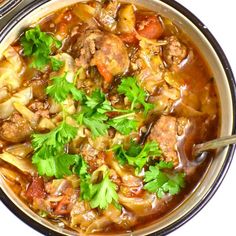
(7, 7)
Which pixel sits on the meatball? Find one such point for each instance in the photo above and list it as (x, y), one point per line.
(165, 133)
(174, 52)
(15, 130)
(113, 54)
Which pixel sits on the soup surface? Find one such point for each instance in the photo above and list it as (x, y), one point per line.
(100, 106)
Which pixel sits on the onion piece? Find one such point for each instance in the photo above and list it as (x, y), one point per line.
(126, 19)
(45, 124)
(23, 164)
(27, 114)
(20, 150)
(147, 205)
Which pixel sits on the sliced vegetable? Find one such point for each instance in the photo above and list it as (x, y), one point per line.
(23, 164)
(126, 19)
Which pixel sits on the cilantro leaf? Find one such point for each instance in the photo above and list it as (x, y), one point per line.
(56, 64)
(58, 166)
(136, 95)
(137, 155)
(104, 193)
(61, 88)
(48, 155)
(160, 182)
(39, 45)
(93, 111)
(124, 125)
(96, 124)
(98, 102)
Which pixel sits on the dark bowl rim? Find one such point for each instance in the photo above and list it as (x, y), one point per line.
(228, 71)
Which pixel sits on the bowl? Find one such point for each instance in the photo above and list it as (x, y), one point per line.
(222, 73)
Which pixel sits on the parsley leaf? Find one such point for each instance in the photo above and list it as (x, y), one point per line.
(124, 125)
(48, 156)
(58, 166)
(98, 102)
(39, 45)
(104, 193)
(160, 182)
(93, 111)
(136, 95)
(81, 169)
(137, 155)
(61, 88)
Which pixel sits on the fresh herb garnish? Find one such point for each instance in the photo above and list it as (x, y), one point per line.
(137, 155)
(61, 88)
(92, 114)
(39, 45)
(124, 124)
(49, 156)
(136, 95)
(160, 182)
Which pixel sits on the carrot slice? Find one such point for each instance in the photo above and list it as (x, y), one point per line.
(129, 38)
(104, 73)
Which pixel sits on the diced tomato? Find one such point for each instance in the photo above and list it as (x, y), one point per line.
(104, 73)
(129, 38)
(36, 189)
(149, 26)
(64, 206)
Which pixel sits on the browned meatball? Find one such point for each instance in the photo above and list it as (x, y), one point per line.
(165, 133)
(15, 130)
(112, 54)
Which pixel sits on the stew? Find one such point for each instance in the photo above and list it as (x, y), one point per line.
(100, 106)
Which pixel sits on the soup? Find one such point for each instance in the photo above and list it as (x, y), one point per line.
(100, 106)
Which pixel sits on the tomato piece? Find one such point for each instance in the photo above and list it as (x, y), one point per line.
(104, 73)
(36, 189)
(148, 25)
(129, 38)
(64, 206)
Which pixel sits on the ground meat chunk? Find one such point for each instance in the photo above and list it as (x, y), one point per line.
(174, 52)
(93, 157)
(165, 133)
(40, 108)
(85, 47)
(16, 129)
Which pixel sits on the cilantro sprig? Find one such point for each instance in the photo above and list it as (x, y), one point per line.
(137, 155)
(49, 156)
(100, 194)
(161, 182)
(136, 95)
(124, 124)
(93, 115)
(39, 45)
(61, 88)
